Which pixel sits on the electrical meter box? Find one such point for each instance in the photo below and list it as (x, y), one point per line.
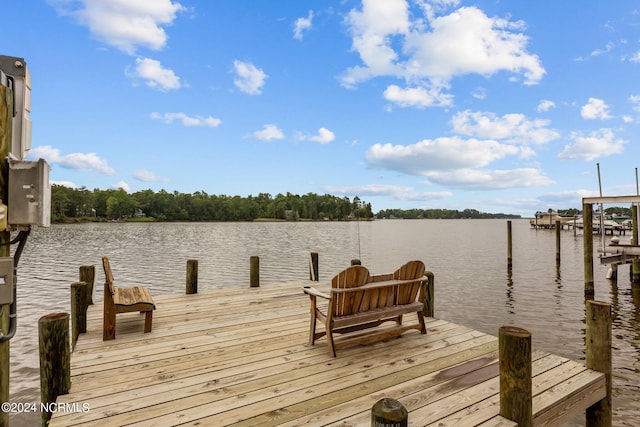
(6, 280)
(29, 193)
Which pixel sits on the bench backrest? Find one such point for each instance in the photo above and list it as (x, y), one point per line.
(108, 275)
(410, 270)
(351, 277)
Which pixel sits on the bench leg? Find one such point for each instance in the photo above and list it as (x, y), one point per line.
(147, 321)
(423, 328)
(330, 344)
(109, 323)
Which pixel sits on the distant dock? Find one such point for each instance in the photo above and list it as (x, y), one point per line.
(241, 357)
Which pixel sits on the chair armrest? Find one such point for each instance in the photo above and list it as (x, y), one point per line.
(310, 290)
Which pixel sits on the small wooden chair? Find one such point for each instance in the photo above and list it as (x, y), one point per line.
(123, 300)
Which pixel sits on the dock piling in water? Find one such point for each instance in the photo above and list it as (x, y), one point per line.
(598, 358)
(509, 246)
(515, 375)
(254, 273)
(79, 304)
(87, 274)
(192, 277)
(55, 358)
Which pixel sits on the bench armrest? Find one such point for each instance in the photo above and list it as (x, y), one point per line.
(310, 290)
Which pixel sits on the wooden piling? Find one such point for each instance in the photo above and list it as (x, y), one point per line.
(87, 275)
(55, 359)
(429, 297)
(79, 304)
(389, 413)
(192, 277)
(6, 124)
(587, 231)
(598, 358)
(515, 375)
(558, 229)
(509, 246)
(313, 266)
(254, 273)
(635, 265)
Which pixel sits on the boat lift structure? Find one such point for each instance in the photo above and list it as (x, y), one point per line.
(614, 253)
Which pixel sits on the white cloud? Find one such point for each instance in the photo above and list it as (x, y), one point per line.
(489, 179)
(186, 120)
(147, 176)
(546, 105)
(249, 79)
(68, 184)
(398, 192)
(156, 76)
(438, 154)
(513, 128)
(417, 96)
(268, 133)
(595, 109)
(301, 25)
(466, 41)
(124, 24)
(324, 136)
(121, 185)
(596, 144)
(84, 162)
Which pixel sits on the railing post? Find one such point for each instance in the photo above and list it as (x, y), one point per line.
(87, 275)
(515, 375)
(192, 277)
(587, 231)
(254, 273)
(79, 300)
(509, 246)
(598, 358)
(389, 413)
(429, 297)
(313, 266)
(55, 359)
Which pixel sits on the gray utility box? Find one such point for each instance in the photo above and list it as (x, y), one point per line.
(6, 280)
(29, 194)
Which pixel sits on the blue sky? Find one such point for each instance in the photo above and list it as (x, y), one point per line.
(499, 106)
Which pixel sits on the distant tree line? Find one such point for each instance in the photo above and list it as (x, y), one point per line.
(80, 203)
(614, 211)
(438, 214)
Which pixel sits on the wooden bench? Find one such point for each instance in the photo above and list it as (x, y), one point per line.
(123, 300)
(359, 302)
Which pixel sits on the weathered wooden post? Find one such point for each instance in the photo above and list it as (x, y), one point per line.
(389, 413)
(558, 242)
(635, 265)
(313, 266)
(598, 358)
(515, 375)
(55, 358)
(509, 246)
(192, 277)
(587, 230)
(79, 299)
(87, 275)
(6, 124)
(429, 297)
(254, 273)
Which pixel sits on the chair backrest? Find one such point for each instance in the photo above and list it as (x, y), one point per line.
(352, 277)
(411, 270)
(108, 275)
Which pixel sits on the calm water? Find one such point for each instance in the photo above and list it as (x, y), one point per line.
(468, 257)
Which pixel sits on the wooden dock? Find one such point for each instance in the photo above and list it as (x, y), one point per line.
(241, 357)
